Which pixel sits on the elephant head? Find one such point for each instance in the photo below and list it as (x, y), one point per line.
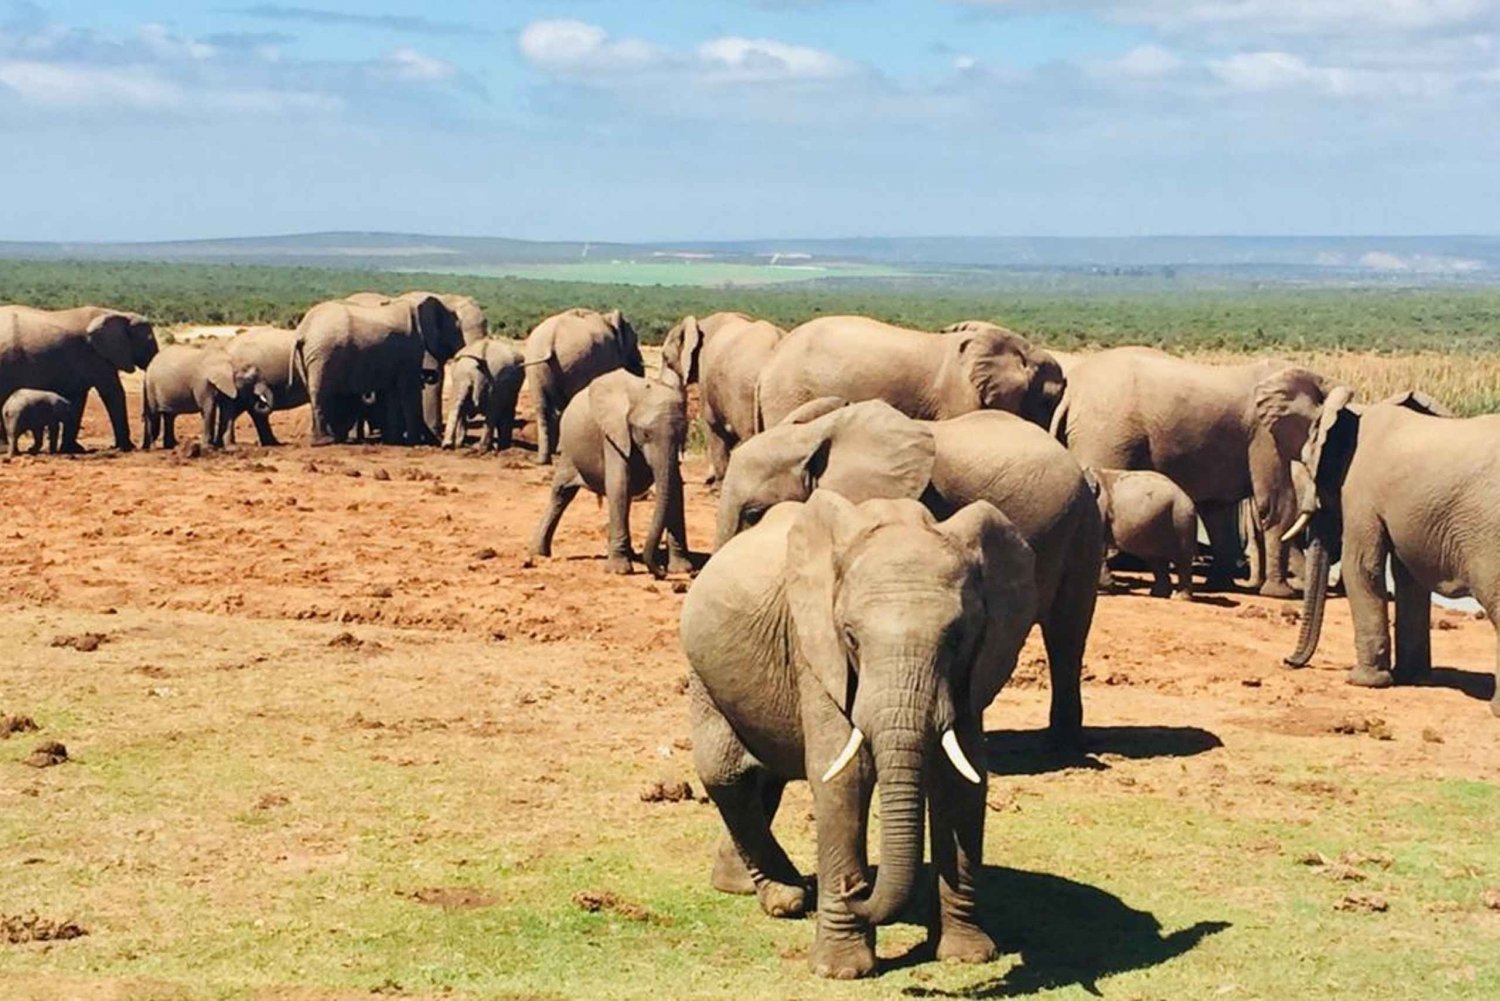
(911, 626)
(680, 350)
(472, 323)
(861, 451)
(646, 418)
(1005, 371)
(1286, 404)
(1318, 480)
(629, 345)
(126, 340)
(438, 327)
(244, 385)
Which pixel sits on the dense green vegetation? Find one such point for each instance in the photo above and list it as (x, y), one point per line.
(1244, 318)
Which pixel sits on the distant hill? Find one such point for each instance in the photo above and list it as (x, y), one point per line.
(1469, 259)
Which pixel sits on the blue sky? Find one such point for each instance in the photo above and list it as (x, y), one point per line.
(667, 119)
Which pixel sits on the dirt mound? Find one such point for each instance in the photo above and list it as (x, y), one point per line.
(47, 755)
(16, 724)
(83, 642)
(451, 898)
(667, 792)
(22, 928)
(596, 901)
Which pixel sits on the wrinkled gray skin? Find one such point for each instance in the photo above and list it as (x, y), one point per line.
(869, 450)
(619, 437)
(1148, 516)
(73, 351)
(1399, 482)
(1065, 360)
(566, 352)
(37, 412)
(830, 615)
(471, 322)
(927, 376)
(187, 379)
(1221, 432)
(269, 349)
(724, 354)
(485, 379)
(345, 351)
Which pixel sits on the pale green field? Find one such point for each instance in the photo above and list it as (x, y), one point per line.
(690, 274)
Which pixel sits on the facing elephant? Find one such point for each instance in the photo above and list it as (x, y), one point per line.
(623, 435)
(870, 450)
(566, 352)
(71, 352)
(485, 380)
(852, 645)
(1402, 483)
(185, 379)
(923, 375)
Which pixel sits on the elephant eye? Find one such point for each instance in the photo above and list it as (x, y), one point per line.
(753, 515)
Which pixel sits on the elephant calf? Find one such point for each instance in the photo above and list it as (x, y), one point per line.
(183, 379)
(486, 379)
(621, 435)
(35, 411)
(852, 645)
(1148, 516)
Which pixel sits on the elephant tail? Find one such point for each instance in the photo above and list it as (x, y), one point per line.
(1059, 427)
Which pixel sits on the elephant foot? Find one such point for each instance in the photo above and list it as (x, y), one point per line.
(1107, 581)
(618, 564)
(843, 958)
(1182, 595)
(778, 900)
(1219, 585)
(1161, 592)
(1277, 589)
(125, 446)
(1495, 703)
(1416, 675)
(965, 944)
(730, 874)
(1371, 677)
(679, 564)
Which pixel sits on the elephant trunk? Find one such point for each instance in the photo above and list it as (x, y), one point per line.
(668, 482)
(1314, 594)
(898, 749)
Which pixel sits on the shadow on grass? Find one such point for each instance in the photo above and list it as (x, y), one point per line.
(1029, 752)
(1067, 934)
(1474, 684)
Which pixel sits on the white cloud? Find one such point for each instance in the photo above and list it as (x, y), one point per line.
(1276, 18)
(55, 85)
(573, 46)
(760, 59)
(1147, 62)
(1263, 72)
(410, 65)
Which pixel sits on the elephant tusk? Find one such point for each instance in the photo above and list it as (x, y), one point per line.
(1297, 526)
(856, 738)
(956, 755)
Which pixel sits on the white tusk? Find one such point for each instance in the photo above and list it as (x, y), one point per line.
(956, 755)
(845, 756)
(1297, 526)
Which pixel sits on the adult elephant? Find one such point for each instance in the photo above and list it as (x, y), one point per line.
(1403, 483)
(566, 352)
(724, 354)
(346, 351)
(869, 450)
(269, 349)
(1065, 359)
(830, 627)
(1221, 432)
(926, 376)
(471, 322)
(73, 351)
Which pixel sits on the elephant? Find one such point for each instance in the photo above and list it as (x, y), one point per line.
(471, 322)
(620, 436)
(1065, 359)
(1148, 516)
(926, 376)
(73, 351)
(344, 351)
(38, 412)
(564, 353)
(1222, 433)
(185, 379)
(269, 349)
(869, 450)
(1404, 482)
(485, 379)
(849, 644)
(724, 354)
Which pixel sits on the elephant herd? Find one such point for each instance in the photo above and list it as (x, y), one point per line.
(896, 510)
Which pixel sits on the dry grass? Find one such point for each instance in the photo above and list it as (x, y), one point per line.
(1469, 384)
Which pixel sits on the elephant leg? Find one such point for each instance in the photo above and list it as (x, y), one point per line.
(211, 424)
(679, 559)
(112, 395)
(416, 430)
(1185, 573)
(36, 441)
(1413, 627)
(1161, 578)
(1255, 543)
(169, 430)
(321, 432)
(1277, 565)
(565, 486)
(617, 497)
(150, 427)
(1364, 583)
(453, 431)
(54, 430)
(1221, 521)
(1065, 632)
(546, 431)
(957, 807)
(503, 419)
(73, 422)
(263, 431)
(1495, 699)
(719, 440)
(432, 406)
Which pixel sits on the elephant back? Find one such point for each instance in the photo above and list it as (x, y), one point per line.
(573, 348)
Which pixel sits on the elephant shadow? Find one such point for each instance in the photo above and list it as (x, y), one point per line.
(1475, 684)
(1067, 933)
(1029, 752)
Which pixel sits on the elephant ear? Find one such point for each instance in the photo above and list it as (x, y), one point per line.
(1415, 399)
(814, 409)
(996, 364)
(875, 451)
(1330, 446)
(630, 348)
(219, 371)
(1006, 567)
(1287, 402)
(609, 402)
(683, 345)
(109, 334)
(822, 533)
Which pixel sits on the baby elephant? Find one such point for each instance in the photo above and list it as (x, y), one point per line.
(182, 379)
(1148, 516)
(35, 410)
(621, 435)
(486, 378)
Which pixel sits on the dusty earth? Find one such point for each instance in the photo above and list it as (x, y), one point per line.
(339, 555)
